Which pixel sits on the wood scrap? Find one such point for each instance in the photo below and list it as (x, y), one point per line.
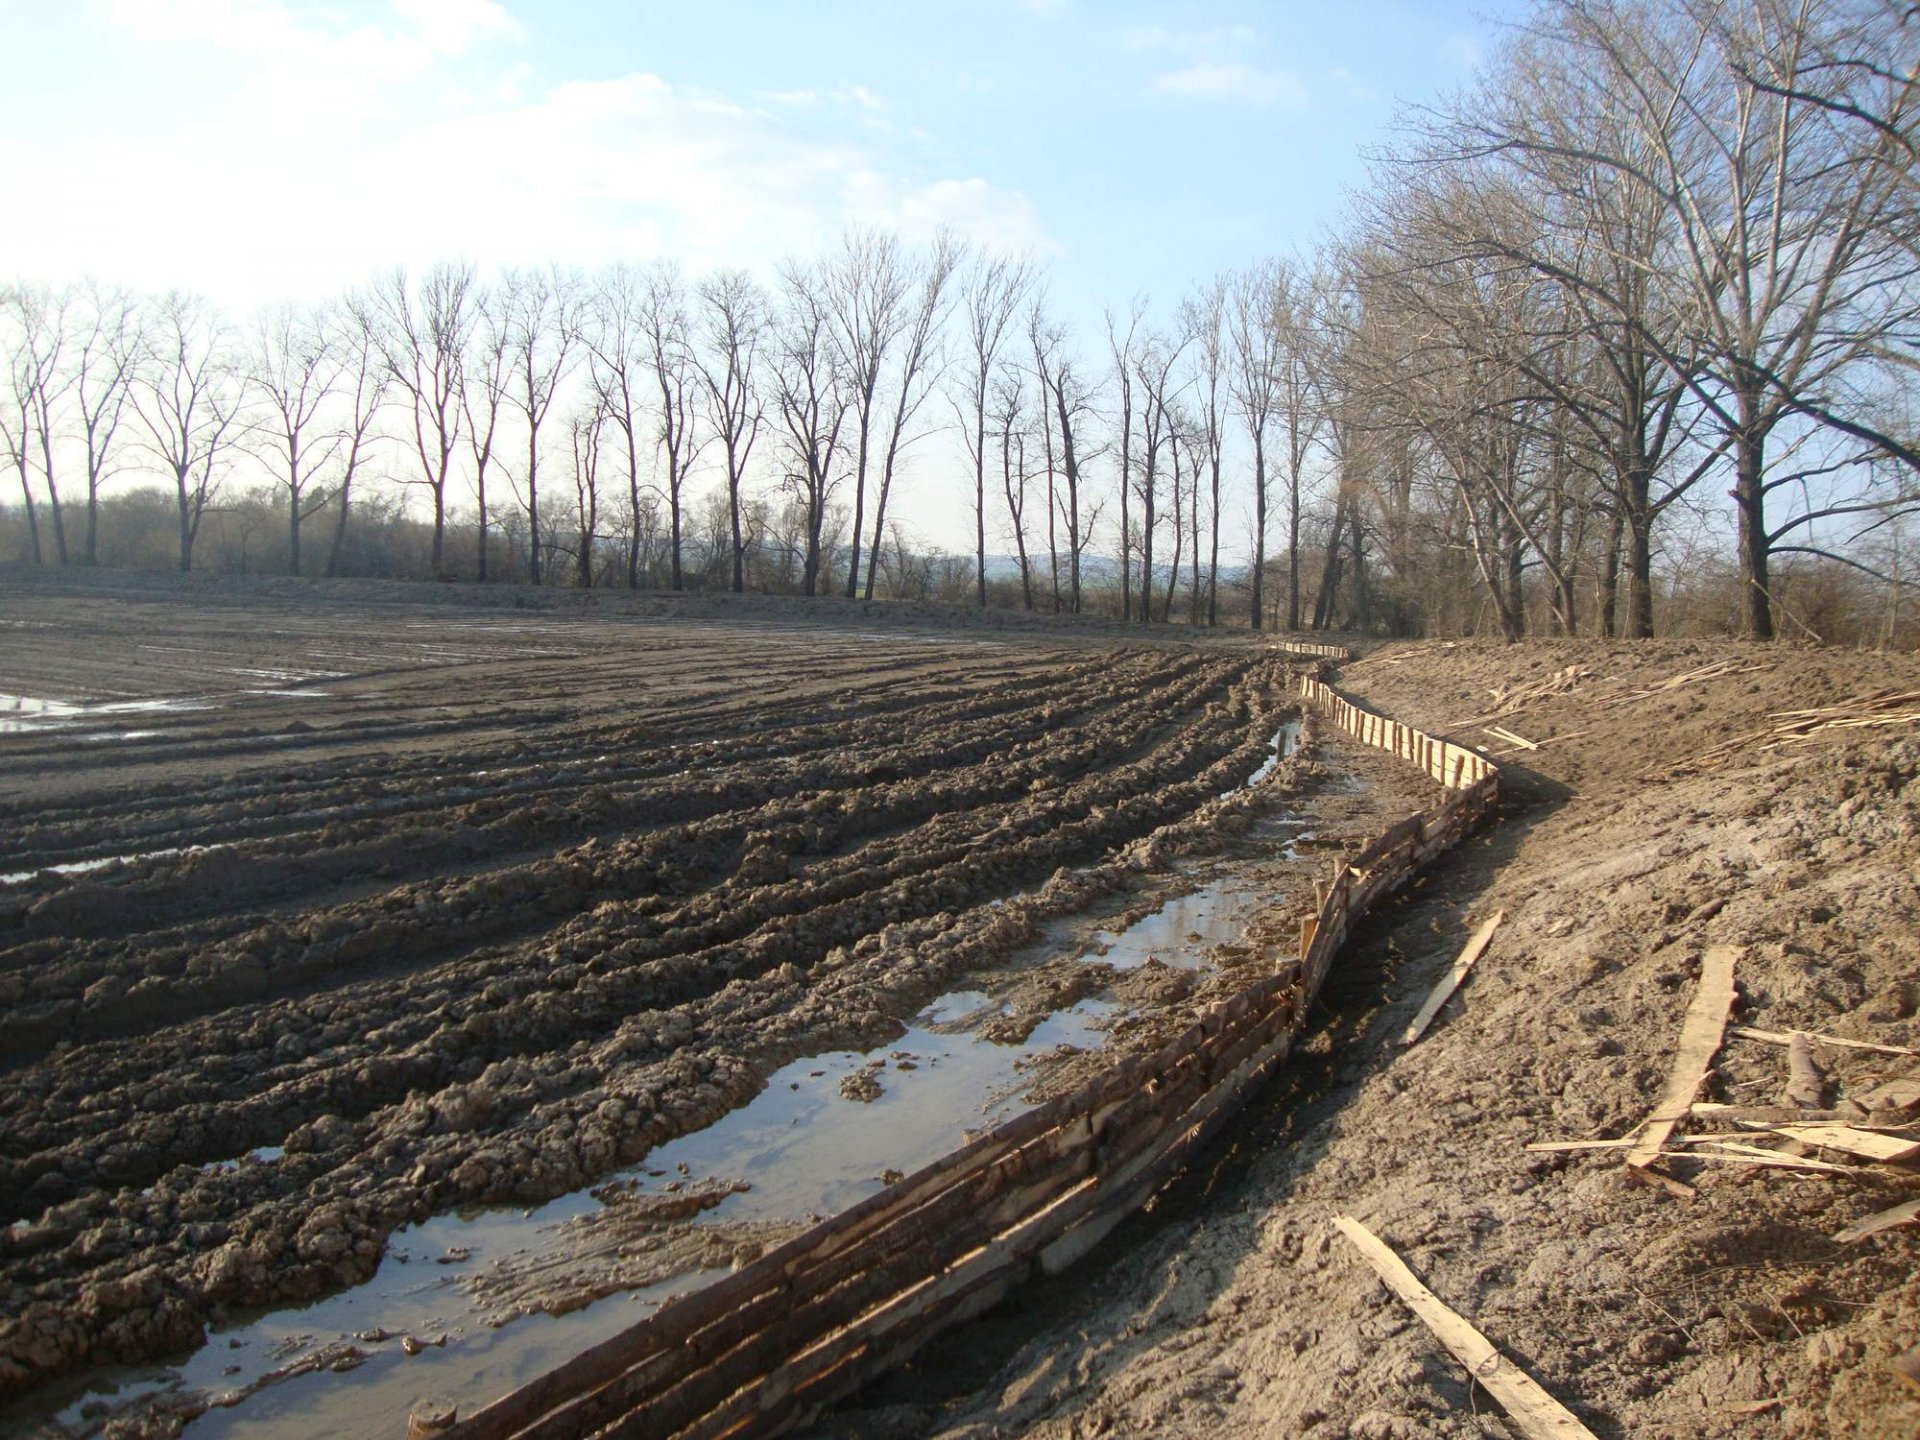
(1875, 709)
(1700, 1036)
(1882, 1220)
(1888, 1149)
(1733, 1150)
(1806, 1086)
(1783, 1037)
(1450, 982)
(1532, 1411)
(1752, 1407)
(1501, 733)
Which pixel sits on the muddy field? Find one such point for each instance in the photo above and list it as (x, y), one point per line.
(1633, 838)
(324, 925)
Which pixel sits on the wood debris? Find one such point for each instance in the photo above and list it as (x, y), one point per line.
(1507, 736)
(1700, 1037)
(1867, 1144)
(1673, 682)
(1806, 1086)
(1883, 1220)
(1532, 1411)
(1450, 982)
(1784, 1037)
(1733, 1150)
(1873, 710)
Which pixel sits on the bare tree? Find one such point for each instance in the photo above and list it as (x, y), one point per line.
(1067, 404)
(38, 380)
(584, 431)
(810, 389)
(106, 350)
(869, 281)
(668, 332)
(424, 336)
(1009, 420)
(921, 363)
(616, 339)
(542, 315)
(991, 295)
(293, 369)
(1155, 359)
(363, 386)
(734, 312)
(187, 397)
(1120, 344)
(484, 391)
(1205, 318)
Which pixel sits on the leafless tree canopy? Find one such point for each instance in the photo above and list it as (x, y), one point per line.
(1621, 339)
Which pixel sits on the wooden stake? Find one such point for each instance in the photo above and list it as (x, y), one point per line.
(1806, 1086)
(1451, 980)
(1700, 1036)
(1534, 1413)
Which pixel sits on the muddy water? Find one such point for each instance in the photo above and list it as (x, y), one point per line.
(800, 1150)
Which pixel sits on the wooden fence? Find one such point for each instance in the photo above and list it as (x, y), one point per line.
(1319, 652)
(763, 1350)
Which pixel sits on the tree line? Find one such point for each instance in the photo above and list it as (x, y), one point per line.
(1639, 298)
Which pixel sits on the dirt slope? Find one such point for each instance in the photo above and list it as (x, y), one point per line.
(1234, 1309)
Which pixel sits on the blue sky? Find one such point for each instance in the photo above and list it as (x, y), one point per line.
(261, 149)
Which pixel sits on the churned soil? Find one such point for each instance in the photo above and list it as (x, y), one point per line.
(1643, 830)
(440, 906)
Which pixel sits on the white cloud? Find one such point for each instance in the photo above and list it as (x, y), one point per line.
(480, 157)
(450, 27)
(1232, 81)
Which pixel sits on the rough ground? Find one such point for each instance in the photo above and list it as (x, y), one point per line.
(455, 906)
(1234, 1309)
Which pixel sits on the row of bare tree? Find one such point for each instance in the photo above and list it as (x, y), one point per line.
(1661, 250)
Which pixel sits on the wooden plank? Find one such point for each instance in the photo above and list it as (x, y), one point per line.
(1734, 1152)
(1470, 952)
(1785, 1037)
(1883, 1220)
(1700, 1037)
(1887, 1149)
(1533, 1412)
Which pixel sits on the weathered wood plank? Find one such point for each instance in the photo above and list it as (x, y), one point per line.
(1470, 952)
(1700, 1037)
(1534, 1412)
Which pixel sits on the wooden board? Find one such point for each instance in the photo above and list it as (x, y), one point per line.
(1700, 1036)
(1450, 982)
(1888, 1149)
(1533, 1412)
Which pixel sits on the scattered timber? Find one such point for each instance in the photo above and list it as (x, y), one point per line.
(1534, 1413)
(1700, 1036)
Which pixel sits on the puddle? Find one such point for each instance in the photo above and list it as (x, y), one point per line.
(85, 867)
(1216, 913)
(1284, 742)
(24, 714)
(804, 1149)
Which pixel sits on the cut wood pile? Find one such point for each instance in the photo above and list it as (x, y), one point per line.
(763, 1350)
(1881, 708)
